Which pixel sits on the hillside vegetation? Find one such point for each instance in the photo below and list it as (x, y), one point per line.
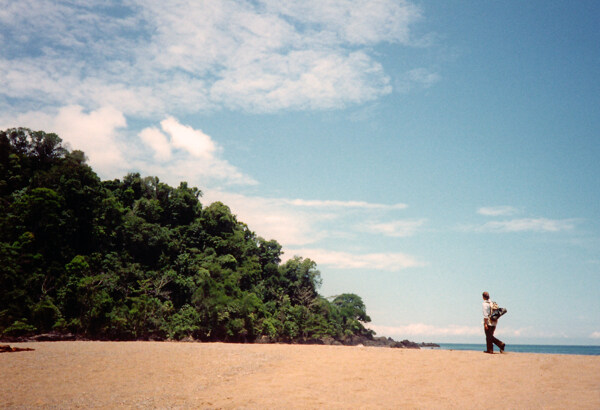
(138, 259)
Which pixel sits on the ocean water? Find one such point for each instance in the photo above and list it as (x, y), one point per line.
(543, 349)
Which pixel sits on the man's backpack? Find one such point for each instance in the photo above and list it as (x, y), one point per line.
(496, 311)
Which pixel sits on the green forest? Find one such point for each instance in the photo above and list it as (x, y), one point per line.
(137, 259)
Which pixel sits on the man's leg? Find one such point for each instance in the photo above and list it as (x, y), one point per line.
(495, 341)
(489, 336)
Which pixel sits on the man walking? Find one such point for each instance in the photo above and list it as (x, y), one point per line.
(490, 326)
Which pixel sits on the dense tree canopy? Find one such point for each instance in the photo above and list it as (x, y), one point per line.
(138, 259)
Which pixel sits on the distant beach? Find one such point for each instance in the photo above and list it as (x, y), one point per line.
(217, 375)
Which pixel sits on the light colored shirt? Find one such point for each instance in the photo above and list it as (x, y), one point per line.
(487, 312)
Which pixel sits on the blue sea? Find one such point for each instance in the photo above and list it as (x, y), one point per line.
(544, 349)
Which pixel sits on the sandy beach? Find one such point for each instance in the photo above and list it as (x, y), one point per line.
(218, 375)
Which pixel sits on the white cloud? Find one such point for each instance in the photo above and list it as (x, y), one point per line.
(193, 141)
(94, 133)
(392, 261)
(530, 224)
(342, 204)
(158, 142)
(144, 57)
(497, 211)
(188, 154)
(519, 224)
(396, 229)
(301, 79)
(201, 173)
(271, 218)
(352, 21)
(297, 222)
(595, 335)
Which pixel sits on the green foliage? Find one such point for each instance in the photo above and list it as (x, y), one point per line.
(45, 314)
(184, 323)
(352, 312)
(19, 328)
(138, 259)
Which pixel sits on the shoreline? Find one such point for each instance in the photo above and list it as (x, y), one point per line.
(355, 340)
(224, 375)
(582, 350)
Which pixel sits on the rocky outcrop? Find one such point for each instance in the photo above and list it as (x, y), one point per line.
(44, 337)
(429, 345)
(53, 337)
(385, 342)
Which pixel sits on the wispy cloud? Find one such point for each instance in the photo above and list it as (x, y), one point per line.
(393, 261)
(342, 204)
(272, 218)
(298, 222)
(396, 228)
(423, 76)
(354, 22)
(529, 224)
(416, 78)
(539, 224)
(595, 335)
(142, 57)
(497, 210)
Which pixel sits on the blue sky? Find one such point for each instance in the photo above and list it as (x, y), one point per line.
(419, 151)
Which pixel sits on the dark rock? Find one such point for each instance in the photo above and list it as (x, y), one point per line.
(381, 341)
(409, 345)
(8, 349)
(329, 341)
(263, 340)
(311, 342)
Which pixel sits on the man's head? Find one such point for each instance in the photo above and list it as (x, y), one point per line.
(486, 296)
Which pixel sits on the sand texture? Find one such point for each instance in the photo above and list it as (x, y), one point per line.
(217, 375)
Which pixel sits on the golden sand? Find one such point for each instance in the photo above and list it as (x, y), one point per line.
(218, 375)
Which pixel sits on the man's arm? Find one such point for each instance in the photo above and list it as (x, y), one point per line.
(486, 314)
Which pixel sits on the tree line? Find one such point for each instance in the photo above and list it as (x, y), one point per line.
(138, 259)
